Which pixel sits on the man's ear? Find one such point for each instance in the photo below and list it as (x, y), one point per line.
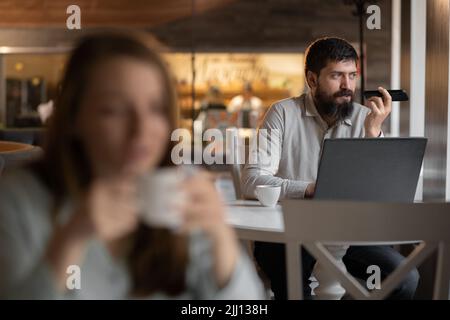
(311, 79)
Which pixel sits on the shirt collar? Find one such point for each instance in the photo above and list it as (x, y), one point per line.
(310, 108)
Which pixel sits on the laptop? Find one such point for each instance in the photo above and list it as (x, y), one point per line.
(370, 169)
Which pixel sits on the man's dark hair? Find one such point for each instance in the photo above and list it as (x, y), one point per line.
(324, 50)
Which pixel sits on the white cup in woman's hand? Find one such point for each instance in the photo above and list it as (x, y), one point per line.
(268, 195)
(160, 197)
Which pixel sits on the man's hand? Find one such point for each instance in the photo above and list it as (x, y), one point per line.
(380, 108)
(310, 189)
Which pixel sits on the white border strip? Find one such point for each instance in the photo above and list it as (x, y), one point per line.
(395, 63)
(417, 85)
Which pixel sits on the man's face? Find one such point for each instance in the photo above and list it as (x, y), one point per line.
(334, 88)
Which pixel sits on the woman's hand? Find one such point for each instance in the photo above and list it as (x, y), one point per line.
(107, 211)
(204, 210)
(204, 207)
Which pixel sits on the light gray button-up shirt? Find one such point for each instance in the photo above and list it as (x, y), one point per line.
(296, 133)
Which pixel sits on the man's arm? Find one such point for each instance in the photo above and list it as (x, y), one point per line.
(263, 161)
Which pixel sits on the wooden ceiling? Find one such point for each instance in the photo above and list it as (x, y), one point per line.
(100, 13)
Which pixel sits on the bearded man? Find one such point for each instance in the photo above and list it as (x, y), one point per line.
(297, 127)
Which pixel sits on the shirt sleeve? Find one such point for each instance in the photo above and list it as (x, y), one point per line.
(257, 103)
(264, 158)
(234, 104)
(363, 134)
(24, 273)
(244, 283)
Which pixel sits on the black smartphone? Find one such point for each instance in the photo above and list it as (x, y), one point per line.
(397, 95)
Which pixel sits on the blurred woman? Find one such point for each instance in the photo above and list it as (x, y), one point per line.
(77, 206)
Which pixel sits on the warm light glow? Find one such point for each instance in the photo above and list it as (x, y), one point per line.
(35, 81)
(18, 66)
(5, 50)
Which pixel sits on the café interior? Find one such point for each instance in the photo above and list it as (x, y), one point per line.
(222, 54)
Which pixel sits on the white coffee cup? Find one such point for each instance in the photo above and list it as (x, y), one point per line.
(268, 195)
(160, 196)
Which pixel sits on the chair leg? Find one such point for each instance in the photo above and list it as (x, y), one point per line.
(294, 271)
(328, 287)
(441, 285)
(249, 246)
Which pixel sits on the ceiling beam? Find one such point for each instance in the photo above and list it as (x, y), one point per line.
(100, 13)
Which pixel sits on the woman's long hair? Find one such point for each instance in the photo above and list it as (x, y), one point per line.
(157, 259)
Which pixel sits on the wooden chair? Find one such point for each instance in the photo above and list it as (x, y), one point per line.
(314, 223)
(15, 154)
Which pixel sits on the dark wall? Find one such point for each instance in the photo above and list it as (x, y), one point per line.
(405, 67)
(281, 25)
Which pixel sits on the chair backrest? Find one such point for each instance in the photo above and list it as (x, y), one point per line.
(238, 154)
(20, 157)
(312, 223)
(236, 168)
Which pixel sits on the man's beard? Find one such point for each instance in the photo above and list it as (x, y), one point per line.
(327, 107)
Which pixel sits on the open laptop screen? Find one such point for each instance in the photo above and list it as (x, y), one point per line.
(370, 169)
